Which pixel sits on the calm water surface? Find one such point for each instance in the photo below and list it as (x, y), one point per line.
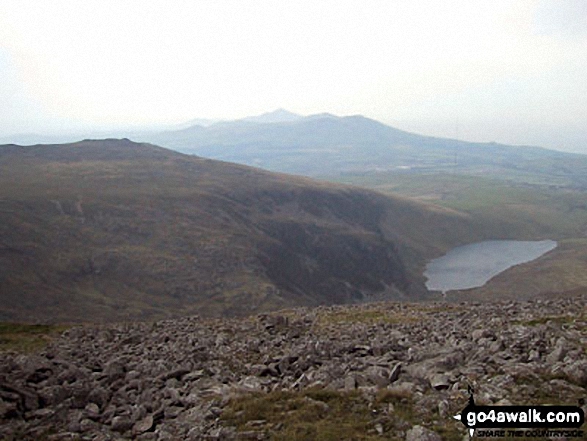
(472, 265)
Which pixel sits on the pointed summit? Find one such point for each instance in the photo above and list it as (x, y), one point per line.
(277, 116)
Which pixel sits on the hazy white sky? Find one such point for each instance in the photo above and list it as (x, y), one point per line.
(510, 71)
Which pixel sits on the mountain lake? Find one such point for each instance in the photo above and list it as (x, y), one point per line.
(471, 266)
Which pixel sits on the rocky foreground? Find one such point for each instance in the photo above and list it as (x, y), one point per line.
(377, 371)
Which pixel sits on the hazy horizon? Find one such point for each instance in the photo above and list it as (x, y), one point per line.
(483, 71)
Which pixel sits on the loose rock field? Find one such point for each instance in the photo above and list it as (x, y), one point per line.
(375, 371)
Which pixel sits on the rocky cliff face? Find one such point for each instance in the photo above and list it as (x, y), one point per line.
(379, 371)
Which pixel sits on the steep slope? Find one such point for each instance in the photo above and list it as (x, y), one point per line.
(326, 145)
(108, 230)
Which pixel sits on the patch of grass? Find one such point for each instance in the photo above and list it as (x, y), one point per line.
(369, 316)
(327, 415)
(372, 315)
(27, 338)
(403, 414)
(436, 308)
(559, 319)
(400, 399)
(315, 414)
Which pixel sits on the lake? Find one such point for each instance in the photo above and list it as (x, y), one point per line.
(471, 266)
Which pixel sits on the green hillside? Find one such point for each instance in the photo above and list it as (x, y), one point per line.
(110, 230)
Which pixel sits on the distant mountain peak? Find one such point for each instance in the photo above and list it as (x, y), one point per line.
(324, 115)
(276, 116)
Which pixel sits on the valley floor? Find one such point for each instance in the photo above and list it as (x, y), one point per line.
(367, 372)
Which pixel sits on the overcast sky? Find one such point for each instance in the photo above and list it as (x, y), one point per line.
(512, 71)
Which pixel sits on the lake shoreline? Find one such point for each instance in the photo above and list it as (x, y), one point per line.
(473, 265)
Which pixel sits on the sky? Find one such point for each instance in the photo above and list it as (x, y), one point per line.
(496, 70)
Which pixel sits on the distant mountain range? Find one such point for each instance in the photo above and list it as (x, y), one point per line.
(115, 230)
(329, 146)
(277, 116)
(326, 145)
